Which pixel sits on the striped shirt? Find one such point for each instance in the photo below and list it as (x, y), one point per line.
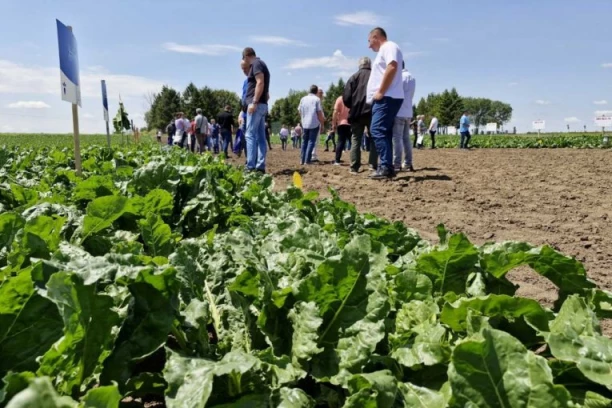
(310, 106)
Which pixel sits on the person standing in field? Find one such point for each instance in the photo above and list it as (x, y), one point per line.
(258, 93)
(268, 134)
(215, 136)
(284, 136)
(171, 131)
(311, 113)
(226, 128)
(464, 129)
(245, 67)
(340, 124)
(331, 137)
(201, 130)
(298, 135)
(401, 124)
(354, 99)
(422, 130)
(179, 135)
(316, 142)
(433, 129)
(386, 93)
(293, 138)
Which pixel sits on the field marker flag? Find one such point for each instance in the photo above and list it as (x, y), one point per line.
(69, 65)
(105, 107)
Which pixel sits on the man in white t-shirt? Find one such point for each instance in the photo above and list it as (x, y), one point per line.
(433, 129)
(385, 92)
(401, 125)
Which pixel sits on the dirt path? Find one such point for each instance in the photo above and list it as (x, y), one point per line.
(559, 197)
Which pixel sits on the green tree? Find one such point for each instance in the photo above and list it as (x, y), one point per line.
(165, 104)
(285, 110)
(480, 111)
(190, 100)
(501, 112)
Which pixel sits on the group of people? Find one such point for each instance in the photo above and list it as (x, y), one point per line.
(377, 100)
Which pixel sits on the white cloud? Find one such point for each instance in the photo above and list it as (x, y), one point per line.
(213, 50)
(607, 65)
(572, 119)
(603, 112)
(337, 61)
(28, 105)
(513, 83)
(359, 18)
(22, 79)
(542, 102)
(276, 40)
(602, 102)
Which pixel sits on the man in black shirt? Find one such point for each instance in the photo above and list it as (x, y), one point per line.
(226, 123)
(257, 95)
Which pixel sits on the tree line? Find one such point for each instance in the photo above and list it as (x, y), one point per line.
(448, 107)
(168, 101)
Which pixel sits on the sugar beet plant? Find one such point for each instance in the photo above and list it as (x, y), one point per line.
(171, 278)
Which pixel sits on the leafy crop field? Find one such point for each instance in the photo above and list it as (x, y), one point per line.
(164, 278)
(57, 140)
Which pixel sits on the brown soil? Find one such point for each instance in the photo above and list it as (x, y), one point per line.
(559, 197)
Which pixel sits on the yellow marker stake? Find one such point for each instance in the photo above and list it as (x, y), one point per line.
(297, 180)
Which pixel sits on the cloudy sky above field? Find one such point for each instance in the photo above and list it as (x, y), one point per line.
(550, 59)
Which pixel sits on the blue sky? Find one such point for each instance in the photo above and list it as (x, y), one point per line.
(551, 60)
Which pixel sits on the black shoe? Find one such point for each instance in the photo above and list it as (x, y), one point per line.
(384, 175)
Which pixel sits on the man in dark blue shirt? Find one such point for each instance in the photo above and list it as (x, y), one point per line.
(257, 95)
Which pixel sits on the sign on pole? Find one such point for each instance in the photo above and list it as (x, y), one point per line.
(491, 127)
(539, 125)
(603, 121)
(69, 65)
(70, 82)
(105, 107)
(451, 130)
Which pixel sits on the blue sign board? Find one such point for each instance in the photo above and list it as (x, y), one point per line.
(105, 100)
(69, 65)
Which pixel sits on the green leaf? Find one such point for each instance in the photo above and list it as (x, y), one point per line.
(494, 369)
(156, 235)
(575, 336)
(91, 326)
(455, 314)
(565, 272)
(102, 212)
(29, 323)
(306, 323)
(101, 397)
(590, 399)
(450, 265)
(420, 397)
(10, 224)
(40, 394)
(191, 381)
(41, 236)
(15, 383)
(94, 187)
(294, 398)
(158, 202)
(149, 322)
(373, 390)
(418, 338)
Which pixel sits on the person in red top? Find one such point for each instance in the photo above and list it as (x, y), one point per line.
(341, 124)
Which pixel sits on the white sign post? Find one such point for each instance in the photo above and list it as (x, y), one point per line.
(604, 121)
(539, 125)
(491, 127)
(451, 130)
(70, 82)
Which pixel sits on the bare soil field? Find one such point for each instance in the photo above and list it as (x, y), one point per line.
(559, 197)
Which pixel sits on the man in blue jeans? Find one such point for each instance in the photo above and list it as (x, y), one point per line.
(312, 116)
(257, 95)
(385, 92)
